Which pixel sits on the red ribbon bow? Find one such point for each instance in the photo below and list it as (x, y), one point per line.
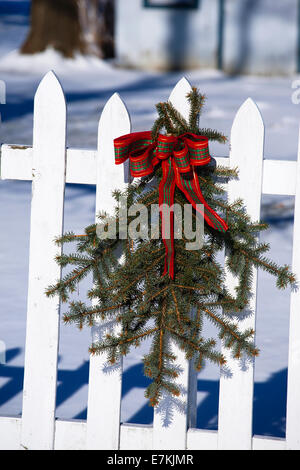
(179, 156)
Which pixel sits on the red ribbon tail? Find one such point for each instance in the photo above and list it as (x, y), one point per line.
(166, 201)
(191, 189)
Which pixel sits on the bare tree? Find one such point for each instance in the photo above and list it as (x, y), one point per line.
(71, 26)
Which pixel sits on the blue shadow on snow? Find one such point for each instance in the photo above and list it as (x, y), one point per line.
(269, 396)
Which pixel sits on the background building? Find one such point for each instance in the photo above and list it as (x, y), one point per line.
(238, 36)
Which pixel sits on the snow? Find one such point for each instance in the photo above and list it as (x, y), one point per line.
(49, 60)
(88, 83)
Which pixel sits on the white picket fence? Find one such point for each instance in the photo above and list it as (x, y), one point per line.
(49, 166)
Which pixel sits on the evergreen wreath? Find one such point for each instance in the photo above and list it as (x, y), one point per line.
(148, 305)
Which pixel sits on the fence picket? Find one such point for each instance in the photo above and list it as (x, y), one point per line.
(104, 400)
(236, 391)
(183, 412)
(49, 155)
(293, 402)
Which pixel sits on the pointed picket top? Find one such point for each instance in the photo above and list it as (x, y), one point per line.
(248, 111)
(50, 114)
(246, 152)
(247, 115)
(114, 122)
(178, 97)
(115, 111)
(50, 90)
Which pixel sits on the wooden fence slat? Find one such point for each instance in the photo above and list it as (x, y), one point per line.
(198, 439)
(70, 435)
(267, 443)
(174, 435)
(236, 392)
(47, 207)
(104, 400)
(293, 395)
(279, 176)
(136, 437)
(10, 432)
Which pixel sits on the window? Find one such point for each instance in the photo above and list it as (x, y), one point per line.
(171, 3)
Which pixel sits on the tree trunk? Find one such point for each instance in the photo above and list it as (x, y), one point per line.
(54, 23)
(107, 29)
(71, 26)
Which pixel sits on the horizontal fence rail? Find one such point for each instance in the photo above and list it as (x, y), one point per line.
(49, 165)
(279, 176)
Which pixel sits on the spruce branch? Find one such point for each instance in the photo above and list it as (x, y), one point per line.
(149, 306)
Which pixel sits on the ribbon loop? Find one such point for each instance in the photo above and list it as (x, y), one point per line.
(182, 158)
(178, 156)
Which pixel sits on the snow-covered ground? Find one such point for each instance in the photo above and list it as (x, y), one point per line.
(88, 83)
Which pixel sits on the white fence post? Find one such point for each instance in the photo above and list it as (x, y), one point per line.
(104, 401)
(236, 391)
(48, 185)
(293, 396)
(174, 435)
